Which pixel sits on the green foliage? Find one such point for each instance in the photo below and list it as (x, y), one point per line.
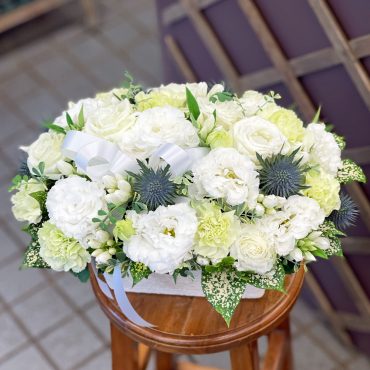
(110, 217)
(139, 272)
(32, 258)
(183, 183)
(290, 267)
(226, 264)
(17, 182)
(186, 269)
(271, 96)
(192, 105)
(54, 127)
(222, 96)
(316, 118)
(350, 172)
(132, 88)
(223, 290)
(271, 280)
(83, 276)
(329, 231)
(340, 141)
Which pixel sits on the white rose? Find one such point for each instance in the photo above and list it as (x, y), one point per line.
(48, 149)
(89, 105)
(253, 250)
(256, 135)
(322, 148)
(164, 237)
(225, 173)
(110, 121)
(252, 102)
(25, 207)
(72, 203)
(155, 127)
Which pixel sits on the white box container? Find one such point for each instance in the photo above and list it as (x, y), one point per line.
(184, 286)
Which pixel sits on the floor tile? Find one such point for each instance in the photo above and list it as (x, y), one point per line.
(302, 314)
(42, 310)
(14, 283)
(11, 336)
(99, 320)
(359, 363)
(19, 85)
(71, 343)
(121, 35)
(8, 247)
(102, 361)
(79, 293)
(30, 359)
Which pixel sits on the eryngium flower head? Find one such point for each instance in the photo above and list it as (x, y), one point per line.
(346, 215)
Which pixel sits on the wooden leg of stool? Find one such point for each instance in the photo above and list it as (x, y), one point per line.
(164, 361)
(124, 351)
(288, 362)
(245, 357)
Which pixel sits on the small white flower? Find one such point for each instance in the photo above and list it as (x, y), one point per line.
(155, 127)
(254, 249)
(164, 237)
(72, 203)
(25, 207)
(256, 135)
(119, 190)
(252, 102)
(48, 149)
(322, 148)
(225, 173)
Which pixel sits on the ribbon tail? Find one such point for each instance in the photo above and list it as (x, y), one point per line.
(123, 301)
(102, 285)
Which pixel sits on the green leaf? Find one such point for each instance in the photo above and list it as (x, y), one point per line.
(226, 263)
(40, 196)
(121, 256)
(81, 118)
(138, 272)
(95, 219)
(222, 96)
(289, 266)
(192, 104)
(32, 258)
(83, 276)
(55, 128)
(272, 280)
(340, 141)
(223, 290)
(101, 212)
(320, 253)
(316, 118)
(350, 172)
(329, 231)
(69, 121)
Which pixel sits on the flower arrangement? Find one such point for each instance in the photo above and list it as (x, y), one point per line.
(184, 177)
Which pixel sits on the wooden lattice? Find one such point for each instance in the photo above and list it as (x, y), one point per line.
(343, 51)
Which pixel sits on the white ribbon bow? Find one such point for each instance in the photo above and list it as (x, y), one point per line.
(97, 157)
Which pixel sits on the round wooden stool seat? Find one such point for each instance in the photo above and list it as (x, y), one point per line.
(190, 325)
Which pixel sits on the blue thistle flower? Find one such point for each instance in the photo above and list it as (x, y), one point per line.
(281, 175)
(154, 186)
(346, 215)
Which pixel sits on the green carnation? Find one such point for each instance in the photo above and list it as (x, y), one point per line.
(324, 188)
(61, 252)
(157, 98)
(123, 230)
(289, 124)
(216, 231)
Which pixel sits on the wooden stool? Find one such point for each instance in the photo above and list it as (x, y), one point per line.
(189, 325)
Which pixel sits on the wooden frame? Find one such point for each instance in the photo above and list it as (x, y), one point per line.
(27, 12)
(343, 51)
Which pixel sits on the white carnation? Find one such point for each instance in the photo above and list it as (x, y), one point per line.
(256, 135)
(254, 249)
(322, 148)
(225, 173)
(72, 203)
(164, 237)
(110, 120)
(48, 149)
(25, 207)
(157, 126)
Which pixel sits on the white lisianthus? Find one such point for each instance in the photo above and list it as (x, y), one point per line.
(163, 238)
(225, 173)
(89, 106)
(110, 121)
(72, 203)
(256, 135)
(155, 127)
(25, 207)
(61, 252)
(119, 190)
(48, 149)
(322, 148)
(254, 249)
(297, 218)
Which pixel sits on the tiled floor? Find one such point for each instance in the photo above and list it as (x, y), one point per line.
(49, 320)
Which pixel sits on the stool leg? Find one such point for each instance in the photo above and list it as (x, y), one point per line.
(164, 361)
(288, 361)
(245, 357)
(124, 351)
